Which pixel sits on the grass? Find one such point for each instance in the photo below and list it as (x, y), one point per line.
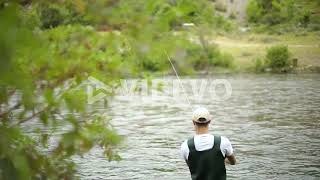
(245, 48)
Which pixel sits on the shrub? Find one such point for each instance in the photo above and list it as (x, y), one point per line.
(209, 58)
(277, 57)
(42, 73)
(224, 60)
(197, 57)
(53, 14)
(278, 12)
(304, 18)
(150, 65)
(254, 11)
(272, 18)
(220, 23)
(218, 58)
(30, 18)
(258, 65)
(51, 17)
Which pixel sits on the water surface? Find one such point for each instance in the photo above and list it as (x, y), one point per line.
(271, 120)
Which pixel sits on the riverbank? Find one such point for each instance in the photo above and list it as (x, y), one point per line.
(234, 52)
(247, 47)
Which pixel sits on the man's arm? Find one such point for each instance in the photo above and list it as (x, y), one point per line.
(230, 160)
(184, 150)
(228, 151)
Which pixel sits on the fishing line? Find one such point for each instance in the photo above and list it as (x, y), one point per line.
(180, 83)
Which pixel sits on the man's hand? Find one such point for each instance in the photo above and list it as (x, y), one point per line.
(230, 160)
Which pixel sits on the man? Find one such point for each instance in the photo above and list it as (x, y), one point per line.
(206, 154)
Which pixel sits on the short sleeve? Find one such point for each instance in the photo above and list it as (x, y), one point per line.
(226, 147)
(184, 150)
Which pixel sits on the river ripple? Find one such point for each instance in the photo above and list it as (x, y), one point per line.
(271, 120)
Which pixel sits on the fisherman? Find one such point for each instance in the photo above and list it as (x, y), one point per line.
(204, 153)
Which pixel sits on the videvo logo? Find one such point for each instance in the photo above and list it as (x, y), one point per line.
(169, 89)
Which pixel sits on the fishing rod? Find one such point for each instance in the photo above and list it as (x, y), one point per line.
(178, 77)
(179, 80)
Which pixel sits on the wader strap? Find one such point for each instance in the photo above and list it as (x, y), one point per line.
(191, 145)
(216, 142)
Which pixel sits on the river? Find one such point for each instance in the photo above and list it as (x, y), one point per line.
(271, 120)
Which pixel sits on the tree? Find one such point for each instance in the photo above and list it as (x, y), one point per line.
(47, 50)
(275, 12)
(254, 11)
(34, 73)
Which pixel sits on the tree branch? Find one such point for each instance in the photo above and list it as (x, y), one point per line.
(33, 116)
(10, 110)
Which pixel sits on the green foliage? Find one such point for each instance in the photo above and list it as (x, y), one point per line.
(285, 15)
(51, 17)
(208, 58)
(259, 65)
(254, 11)
(162, 15)
(49, 14)
(304, 18)
(47, 48)
(217, 58)
(20, 159)
(35, 68)
(278, 57)
(225, 60)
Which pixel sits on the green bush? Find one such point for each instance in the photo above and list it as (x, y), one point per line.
(186, 55)
(30, 18)
(51, 17)
(304, 18)
(196, 57)
(259, 65)
(278, 57)
(150, 64)
(222, 60)
(37, 68)
(210, 58)
(41, 71)
(272, 19)
(279, 14)
(254, 11)
(55, 13)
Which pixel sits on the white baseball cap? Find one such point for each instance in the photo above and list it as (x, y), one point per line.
(201, 112)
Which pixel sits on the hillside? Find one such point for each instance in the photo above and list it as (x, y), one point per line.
(250, 41)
